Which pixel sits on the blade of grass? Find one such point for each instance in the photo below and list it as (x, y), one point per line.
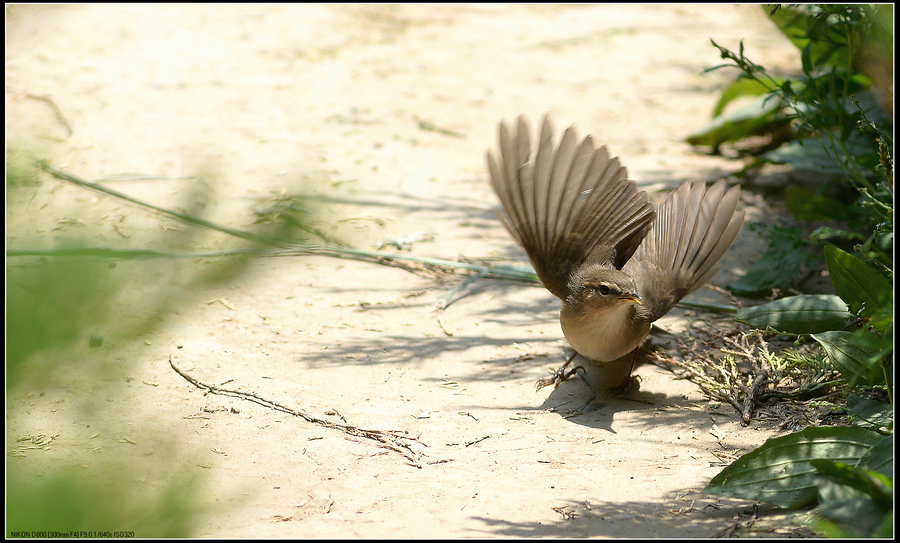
(284, 248)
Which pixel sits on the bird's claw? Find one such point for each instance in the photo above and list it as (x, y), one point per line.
(556, 379)
(561, 375)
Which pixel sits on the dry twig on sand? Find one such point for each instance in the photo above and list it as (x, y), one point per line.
(722, 379)
(397, 442)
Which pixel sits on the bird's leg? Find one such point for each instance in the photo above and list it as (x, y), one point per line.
(559, 376)
(633, 362)
(629, 378)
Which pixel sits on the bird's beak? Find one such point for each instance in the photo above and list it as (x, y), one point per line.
(631, 298)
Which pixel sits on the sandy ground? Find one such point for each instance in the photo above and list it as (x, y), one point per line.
(337, 101)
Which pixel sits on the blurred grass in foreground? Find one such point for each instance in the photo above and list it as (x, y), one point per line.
(72, 317)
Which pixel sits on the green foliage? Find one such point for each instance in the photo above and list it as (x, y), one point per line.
(856, 364)
(837, 126)
(759, 116)
(809, 206)
(857, 501)
(874, 415)
(839, 131)
(847, 470)
(869, 296)
(72, 314)
(807, 314)
(841, 47)
(784, 260)
(867, 293)
(66, 501)
(779, 472)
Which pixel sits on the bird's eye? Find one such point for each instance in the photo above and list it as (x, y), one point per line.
(603, 289)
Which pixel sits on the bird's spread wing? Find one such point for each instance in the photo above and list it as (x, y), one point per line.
(694, 227)
(567, 203)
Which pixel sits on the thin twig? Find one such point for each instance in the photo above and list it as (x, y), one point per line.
(394, 441)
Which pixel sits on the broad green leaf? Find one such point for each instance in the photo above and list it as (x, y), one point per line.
(853, 361)
(880, 457)
(832, 530)
(756, 117)
(806, 314)
(769, 272)
(741, 87)
(779, 472)
(879, 344)
(866, 291)
(870, 414)
(855, 517)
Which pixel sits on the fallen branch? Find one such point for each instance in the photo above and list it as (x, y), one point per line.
(762, 377)
(761, 369)
(394, 441)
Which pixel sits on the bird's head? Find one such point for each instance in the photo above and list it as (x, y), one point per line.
(596, 289)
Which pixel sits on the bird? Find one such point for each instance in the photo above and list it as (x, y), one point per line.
(617, 262)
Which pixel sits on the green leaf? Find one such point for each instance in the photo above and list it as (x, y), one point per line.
(870, 414)
(806, 314)
(744, 86)
(854, 362)
(866, 291)
(756, 117)
(857, 499)
(880, 457)
(819, 41)
(871, 483)
(807, 206)
(782, 261)
(812, 154)
(879, 344)
(823, 234)
(779, 472)
(857, 516)
(805, 59)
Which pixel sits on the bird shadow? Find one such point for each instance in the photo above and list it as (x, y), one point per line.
(596, 392)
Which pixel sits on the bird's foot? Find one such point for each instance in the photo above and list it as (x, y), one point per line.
(561, 375)
(629, 384)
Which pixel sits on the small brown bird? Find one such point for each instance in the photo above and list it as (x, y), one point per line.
(595, 241)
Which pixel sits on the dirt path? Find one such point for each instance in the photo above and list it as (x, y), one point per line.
(387, 111)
